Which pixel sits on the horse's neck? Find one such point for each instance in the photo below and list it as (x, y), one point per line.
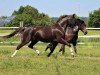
(63, 24)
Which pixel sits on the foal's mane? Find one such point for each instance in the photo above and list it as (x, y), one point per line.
(61, 17)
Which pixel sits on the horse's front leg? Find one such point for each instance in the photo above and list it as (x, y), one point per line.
(73, 50)
(62, 49)
(49, 46)
(52, 49)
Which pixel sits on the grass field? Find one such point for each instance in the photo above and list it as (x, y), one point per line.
(26, 62)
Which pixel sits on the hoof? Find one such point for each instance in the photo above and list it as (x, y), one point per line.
(12, 56)
(73, 56)
(48, 55)
(60, 50)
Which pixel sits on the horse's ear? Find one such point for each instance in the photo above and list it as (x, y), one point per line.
(73, 15)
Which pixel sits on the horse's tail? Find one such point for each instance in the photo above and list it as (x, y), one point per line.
(19, 30)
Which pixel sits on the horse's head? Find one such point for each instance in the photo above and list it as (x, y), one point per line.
(67, 21)
(81, 26)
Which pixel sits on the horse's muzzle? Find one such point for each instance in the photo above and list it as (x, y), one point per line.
(85, 33)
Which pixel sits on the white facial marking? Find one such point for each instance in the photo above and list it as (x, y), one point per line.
(75, 28)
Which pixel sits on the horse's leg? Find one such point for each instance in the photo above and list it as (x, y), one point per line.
(49, 46)
(31, 45)
(72, 51)
(24, 41)
(74, 47)
(62, 49)
(18, 47)
(62, 41)
(54, 46)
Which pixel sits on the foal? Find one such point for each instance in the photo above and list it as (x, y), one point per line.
(51, 34)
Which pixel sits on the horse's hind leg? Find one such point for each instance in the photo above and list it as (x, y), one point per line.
(18, 47)
(54, 46)
(24, 41)
(31, 45)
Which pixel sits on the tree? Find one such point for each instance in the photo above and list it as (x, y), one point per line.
(3, 17)
(30, 16)
(94, 18)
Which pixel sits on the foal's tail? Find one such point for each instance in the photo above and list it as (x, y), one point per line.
(19, 30)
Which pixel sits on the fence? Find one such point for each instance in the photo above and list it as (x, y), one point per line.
(85, 36)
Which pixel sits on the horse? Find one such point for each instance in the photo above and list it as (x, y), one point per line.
(71, 37)
(50, 34)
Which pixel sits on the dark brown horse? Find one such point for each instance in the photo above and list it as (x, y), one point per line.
(51, 34)
(71, 36)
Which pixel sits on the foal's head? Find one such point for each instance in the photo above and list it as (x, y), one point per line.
(81, 26)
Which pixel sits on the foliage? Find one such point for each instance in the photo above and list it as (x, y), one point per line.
(3, 17)
(30, 16)
(85, 19)
(94, 18)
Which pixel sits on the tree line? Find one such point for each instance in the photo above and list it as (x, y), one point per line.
(31, 16)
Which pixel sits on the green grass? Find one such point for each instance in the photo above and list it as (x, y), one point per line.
(87, 41)
(90, 32)
(5, 31)
(26, 62)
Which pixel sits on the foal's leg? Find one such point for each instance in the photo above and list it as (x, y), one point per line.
(54, 46)
(31, 45)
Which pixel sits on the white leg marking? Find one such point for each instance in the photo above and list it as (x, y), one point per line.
(14, 53)
(72, 52)
(37, 51)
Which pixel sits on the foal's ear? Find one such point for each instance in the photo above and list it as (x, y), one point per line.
(73, 15)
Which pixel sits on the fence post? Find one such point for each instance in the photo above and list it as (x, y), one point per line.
(21, 25)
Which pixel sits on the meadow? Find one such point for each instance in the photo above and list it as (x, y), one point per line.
(27, 62)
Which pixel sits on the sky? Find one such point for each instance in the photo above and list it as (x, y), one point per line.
(54, 8)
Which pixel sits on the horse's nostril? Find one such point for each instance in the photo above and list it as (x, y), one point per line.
(85, 33)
